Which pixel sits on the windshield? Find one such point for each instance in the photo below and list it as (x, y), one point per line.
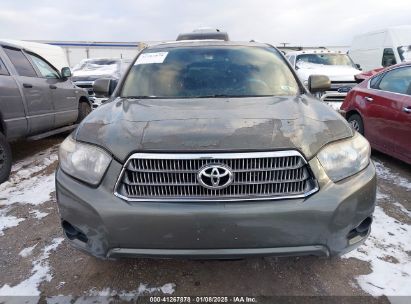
(405, 53)
(215, 71)
(324, 59)
(97, 66)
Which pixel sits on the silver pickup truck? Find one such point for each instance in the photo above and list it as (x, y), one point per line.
(88, 70)
(36, 100)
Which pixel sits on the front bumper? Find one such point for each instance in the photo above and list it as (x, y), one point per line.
(317, 225)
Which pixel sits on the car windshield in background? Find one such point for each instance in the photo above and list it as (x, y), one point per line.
(324, 59)
(405, 53)
(212, 71)
(101, 66)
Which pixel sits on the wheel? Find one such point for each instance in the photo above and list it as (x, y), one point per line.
(356, 123)
(83, 110)
(5, 159)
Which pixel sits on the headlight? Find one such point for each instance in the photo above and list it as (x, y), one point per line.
(345, 158)
(83, 161)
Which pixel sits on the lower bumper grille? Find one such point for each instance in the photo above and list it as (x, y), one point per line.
(151, 176)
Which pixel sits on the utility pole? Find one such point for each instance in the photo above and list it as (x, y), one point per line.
(284, 43)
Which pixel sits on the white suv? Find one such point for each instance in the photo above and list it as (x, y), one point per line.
(337, 66)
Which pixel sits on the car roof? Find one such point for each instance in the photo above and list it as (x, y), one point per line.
(392, 67)
(12, 45)
(204, 35)
(203, 42)
(367, 75)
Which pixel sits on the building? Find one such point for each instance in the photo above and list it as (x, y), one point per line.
(79, 50)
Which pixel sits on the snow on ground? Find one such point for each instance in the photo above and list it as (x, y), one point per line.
(166, 289)
(39, 273)
(385, 173)
(107, 294)
(27, 251)
(40, 159)
(27, 185)
(388, 248)
(34, 191)
(142, 289)
(7, 221)
(38, 214)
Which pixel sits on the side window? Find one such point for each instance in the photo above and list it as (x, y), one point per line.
(20, 62)
(374, 81)
(3, 70)
(397, 81)
(46, 70)
(388, 57)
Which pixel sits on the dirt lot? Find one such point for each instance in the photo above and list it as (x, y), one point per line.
(37, 262)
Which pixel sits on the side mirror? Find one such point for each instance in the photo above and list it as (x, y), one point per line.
(65, 72)
(318, 83)
(101, 87)
(358, 66)
(113, 85)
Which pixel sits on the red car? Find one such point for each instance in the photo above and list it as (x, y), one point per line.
(380, 109)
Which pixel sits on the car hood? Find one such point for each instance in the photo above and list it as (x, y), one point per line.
(334, 72)
(124, 126)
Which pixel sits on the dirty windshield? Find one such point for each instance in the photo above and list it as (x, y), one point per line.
(306, 60)
(212, 71)
(97, 67)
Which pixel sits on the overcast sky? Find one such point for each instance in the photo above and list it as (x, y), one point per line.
(315, 22)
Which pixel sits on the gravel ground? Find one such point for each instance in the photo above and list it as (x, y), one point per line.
(36, 261)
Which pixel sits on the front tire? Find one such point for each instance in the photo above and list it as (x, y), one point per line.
(356, 123)
(5, 159)
(83, 110)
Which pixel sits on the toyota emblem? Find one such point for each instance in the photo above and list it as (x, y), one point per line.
(215, 176)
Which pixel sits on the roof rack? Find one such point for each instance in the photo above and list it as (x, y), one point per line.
(204, 34)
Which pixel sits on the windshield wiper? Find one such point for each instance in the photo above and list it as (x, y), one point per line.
(189, 97)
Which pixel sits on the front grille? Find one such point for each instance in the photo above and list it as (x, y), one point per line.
(335, 85)
(333, 98)
(282, 174)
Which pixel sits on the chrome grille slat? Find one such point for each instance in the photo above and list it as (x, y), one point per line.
(260, 175)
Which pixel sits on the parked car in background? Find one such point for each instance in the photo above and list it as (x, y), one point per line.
(382, 48)
(380, 109)
(88, 70)
(367, 74)
(36, 100)
(337, 66)
(214, 149)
